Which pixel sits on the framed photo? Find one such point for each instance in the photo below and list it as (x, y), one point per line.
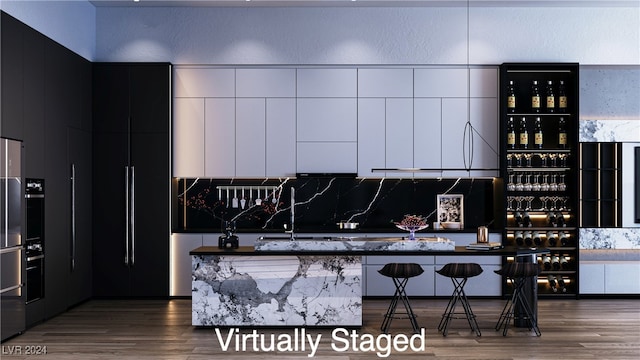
(451, 210)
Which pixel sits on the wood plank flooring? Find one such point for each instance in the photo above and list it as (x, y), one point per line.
(161, 329)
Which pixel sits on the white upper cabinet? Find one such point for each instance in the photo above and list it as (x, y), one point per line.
(325, 157)
(385, 83)
(220, 138)
(427, 135)
(204, 82)
(399, 133)
(454, 119)
(188, 137)
(483, 82)
(441, 83)
(322, 119)
(322, 83)
(281, 138)
(265, 83)
(250, 142)
(371, 136)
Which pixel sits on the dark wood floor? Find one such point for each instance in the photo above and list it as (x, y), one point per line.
(161, 329)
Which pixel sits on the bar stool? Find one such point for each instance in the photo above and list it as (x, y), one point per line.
(459, 273)
(518, 273)
(400, 274)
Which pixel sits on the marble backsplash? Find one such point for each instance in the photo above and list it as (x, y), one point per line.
(609, 130)
(203, 205)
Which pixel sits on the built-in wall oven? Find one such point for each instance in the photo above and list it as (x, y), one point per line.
(34, 243)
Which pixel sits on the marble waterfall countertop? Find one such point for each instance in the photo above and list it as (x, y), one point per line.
(356, 244)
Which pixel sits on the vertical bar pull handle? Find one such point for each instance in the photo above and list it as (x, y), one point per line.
(126, 215)
(133, 215)
(73, 217)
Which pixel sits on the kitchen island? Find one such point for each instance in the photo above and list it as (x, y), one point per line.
(281, 287)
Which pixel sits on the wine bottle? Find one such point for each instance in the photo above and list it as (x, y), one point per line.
(524, 134)
(551, 238)
(535, 97)
(528, 240)
(560, 220)
(511, 97)
(562, 97)
(550, 97)
(552, 282)
(551, 219)
(537, 134)
(518, 219)
(518, 237)
(562, 284)
(562, 134)
(564, 263)
(563, 239)
(546, 262)
(511, 134)
(536, 238)
(555, 262)
(526, 219)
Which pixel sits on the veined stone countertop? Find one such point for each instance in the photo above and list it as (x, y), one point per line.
(353, 244)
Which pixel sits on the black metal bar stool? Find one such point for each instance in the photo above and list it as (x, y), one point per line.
(518, 273)
(459, 273)
(400, 274)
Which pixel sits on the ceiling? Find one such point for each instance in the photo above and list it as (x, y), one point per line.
(359, 3)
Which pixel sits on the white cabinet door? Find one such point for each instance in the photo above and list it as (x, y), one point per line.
(483, 82)
(331, 83)
(264, 83)
(399, 134)
(250, 137)
(220, 138)
(327, 119)
(486, 147)
(326, 157)
(427, 136)
(188, 137)
(371, 136)
(203, 83)
(454, 119)
(180, 263)
(441, 83)
(281, 137)
(385, 83)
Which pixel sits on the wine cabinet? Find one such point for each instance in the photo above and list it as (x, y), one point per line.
(540, 168)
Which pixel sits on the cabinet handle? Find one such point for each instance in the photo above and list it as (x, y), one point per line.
(126, 215)
(133, 215)
(73, 217)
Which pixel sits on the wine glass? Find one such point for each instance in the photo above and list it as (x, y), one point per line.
(535, 186)
(511, 186)
(527, 185)
(519, 184)
(553, 186)
(561, 185)
(545, 185)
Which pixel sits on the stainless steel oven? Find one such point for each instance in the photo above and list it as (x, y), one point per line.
(34, 243)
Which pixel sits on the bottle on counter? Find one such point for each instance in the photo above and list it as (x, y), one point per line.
(562, 133)
(524, 134)
(562, 97)
(535, 97)
(511, 134)
(511, 97)
(537, 134)
(550, 97)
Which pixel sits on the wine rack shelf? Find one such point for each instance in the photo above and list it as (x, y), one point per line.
(539, 167)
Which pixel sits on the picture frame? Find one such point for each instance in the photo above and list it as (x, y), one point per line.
(451, 210)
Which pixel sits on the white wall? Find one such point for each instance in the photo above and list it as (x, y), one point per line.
(70, 23)
(370, 35)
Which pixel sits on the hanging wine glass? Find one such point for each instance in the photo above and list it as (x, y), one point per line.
(536, 185)
(511, 186)
(561, 185)
(545, 185)
(519, 184)
(527, 185)
(553, 186)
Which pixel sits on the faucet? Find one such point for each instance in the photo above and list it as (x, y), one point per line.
(293, 214)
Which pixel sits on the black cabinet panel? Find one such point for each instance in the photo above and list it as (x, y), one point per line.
(131, 158)
(34, 94)
(12, 34)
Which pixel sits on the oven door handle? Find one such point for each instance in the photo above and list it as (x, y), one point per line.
(37, 257)
(73, 217)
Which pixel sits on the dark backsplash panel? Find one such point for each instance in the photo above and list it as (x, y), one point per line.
(202, 205)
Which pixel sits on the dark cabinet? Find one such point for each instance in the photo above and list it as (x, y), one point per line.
(131, 173)
(600, 184)
(539, 168)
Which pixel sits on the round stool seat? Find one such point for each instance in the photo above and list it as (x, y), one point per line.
(519, 270)
(401, 270)
(460, 270)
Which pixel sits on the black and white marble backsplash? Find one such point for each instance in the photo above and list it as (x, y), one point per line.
(609, 130)
(610, 238)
